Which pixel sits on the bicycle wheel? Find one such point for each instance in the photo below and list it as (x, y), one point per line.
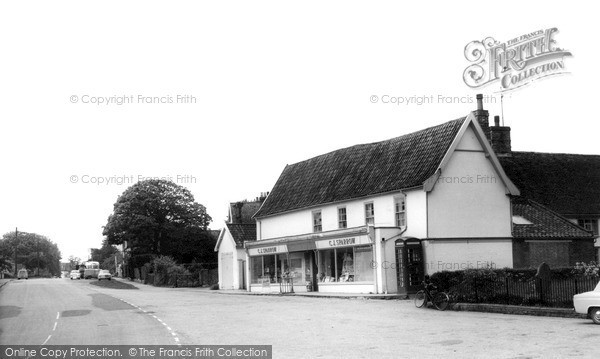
(441, 300)
(420, 299)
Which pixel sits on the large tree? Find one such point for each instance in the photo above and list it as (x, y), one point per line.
(33, 251)
(106, 251)
(155, 217)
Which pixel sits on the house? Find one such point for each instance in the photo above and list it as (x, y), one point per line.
(568, 184)
(239, 228)
(542, 235)
(374, 218)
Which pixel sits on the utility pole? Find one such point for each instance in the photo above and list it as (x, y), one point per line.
(38, 256)
(16, 244)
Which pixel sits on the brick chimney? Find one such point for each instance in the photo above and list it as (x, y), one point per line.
(500, 138)
(482, 116)
(237, 212)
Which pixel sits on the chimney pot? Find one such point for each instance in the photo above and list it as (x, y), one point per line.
(479, 101)
(496, 121)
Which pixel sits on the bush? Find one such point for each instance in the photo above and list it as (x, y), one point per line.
(591, 269)
(166, 270)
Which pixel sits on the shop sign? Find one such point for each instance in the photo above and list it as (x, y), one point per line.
(343, 242)
(263, 251)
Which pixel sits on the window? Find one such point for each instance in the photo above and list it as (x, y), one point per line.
(589, 224)
(342, 222)
(400, 210)
(369, 213)
(351, 264)
(265, 269)
(317, 221)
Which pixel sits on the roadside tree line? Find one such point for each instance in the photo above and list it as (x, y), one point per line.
(34, 252)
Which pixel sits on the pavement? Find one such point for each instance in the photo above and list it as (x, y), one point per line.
(469, 307)
(4, 281)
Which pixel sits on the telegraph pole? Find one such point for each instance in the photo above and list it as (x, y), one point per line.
(38, 256)
(16, 244)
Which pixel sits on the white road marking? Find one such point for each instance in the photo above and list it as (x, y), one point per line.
(57, 315)
(46, 341)
(154, 316)
(55, 323)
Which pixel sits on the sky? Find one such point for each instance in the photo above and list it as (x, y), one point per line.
(220, 96)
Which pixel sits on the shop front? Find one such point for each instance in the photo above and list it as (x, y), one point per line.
(333, 262)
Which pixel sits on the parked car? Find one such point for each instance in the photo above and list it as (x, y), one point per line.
(104, 274)
(23, 274)
(589, 303)
(74, 274)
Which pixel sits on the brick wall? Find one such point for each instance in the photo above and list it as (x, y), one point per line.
(555, 254)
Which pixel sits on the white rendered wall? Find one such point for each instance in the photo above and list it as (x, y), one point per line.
(300, 222)
(469, 199)
(463, 254)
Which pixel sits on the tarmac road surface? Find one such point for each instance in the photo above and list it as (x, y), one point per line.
(296, 327)
(63, 311)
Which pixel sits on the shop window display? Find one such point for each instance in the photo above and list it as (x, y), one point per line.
(341, 265)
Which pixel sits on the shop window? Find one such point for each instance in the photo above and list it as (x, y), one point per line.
(345, 264)
(317, 221)
(400, 210)
(264, 270)
(342, 219)
(269, 273)
(256, 270)
(369, 213)
(349, 264)
(363, 264)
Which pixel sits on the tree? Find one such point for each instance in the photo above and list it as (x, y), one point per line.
(106, 251)
(74, 262)
(33, 251)
(156, 217)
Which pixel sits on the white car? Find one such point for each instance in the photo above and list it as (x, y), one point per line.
(589, 303)
(104, 274)
(22, 274)
(74, 274)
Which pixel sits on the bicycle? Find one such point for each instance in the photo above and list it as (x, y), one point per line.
(439, 299)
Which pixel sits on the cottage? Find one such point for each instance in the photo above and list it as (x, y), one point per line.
(239, 229)
(374, 218)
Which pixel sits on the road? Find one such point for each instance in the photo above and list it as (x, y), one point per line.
(297, 327)
(61, 311)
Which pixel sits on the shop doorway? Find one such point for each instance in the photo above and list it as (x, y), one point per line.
(409, 265)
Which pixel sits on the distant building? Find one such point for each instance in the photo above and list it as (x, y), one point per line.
(239, 229)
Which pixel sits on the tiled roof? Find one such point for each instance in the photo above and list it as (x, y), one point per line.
(545, 224)
(248, 210)
(242, 232)
(214, 233)
(361, 170)
(566, 183)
